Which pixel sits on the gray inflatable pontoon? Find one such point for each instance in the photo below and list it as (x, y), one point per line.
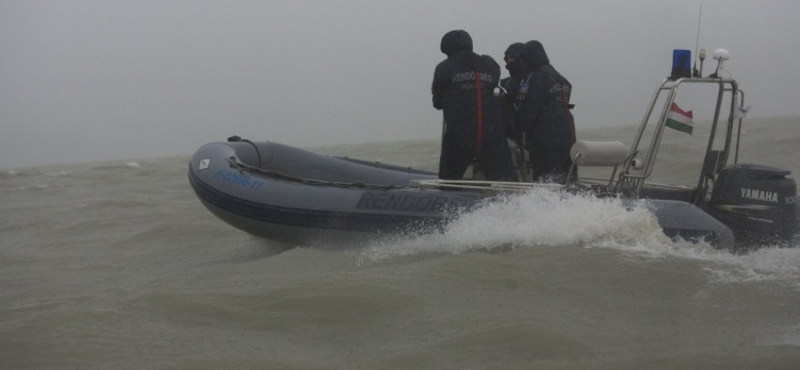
(303, 198)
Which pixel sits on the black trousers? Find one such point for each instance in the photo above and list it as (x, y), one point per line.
(494, 158)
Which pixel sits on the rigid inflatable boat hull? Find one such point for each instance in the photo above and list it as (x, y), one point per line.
(274, 200)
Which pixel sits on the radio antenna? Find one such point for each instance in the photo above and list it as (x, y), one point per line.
(697, 43)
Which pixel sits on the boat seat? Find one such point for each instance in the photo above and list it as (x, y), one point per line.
(597, 154)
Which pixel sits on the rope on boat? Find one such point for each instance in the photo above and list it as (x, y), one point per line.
(245, 168)
(598, 190)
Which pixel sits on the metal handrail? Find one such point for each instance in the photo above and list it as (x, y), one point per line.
(480, 185)
(671, 87)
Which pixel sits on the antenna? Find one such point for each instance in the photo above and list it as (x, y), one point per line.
(699, 73)
(721, 55)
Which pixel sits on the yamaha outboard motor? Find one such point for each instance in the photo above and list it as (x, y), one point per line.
(757, 202)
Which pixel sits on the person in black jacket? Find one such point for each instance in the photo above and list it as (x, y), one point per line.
(463, 88)
(544, 115)
(511, 85)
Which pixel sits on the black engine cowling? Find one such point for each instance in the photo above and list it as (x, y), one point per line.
(757, 202)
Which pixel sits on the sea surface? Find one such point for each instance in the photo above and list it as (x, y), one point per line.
(117, 265)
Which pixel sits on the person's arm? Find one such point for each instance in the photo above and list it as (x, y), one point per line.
(439, 84)
(538, 86)
(494, 71)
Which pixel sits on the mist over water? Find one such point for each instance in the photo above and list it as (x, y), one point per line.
(117, 264)
(90, 80)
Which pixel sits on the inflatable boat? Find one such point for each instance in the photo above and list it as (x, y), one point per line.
(299, 197)
(304, 198)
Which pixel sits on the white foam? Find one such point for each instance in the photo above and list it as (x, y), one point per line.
(536, 218)
(545, 218)
(761, 265)
(765, 264)
(133, 164)
(55, 174)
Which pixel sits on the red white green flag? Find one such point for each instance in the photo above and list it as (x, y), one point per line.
(680, 120)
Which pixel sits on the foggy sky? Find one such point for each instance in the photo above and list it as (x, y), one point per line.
(103, 80)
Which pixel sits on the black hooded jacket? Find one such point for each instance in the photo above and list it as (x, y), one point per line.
(455, 92)
(453, 86)
(544, 114)
(511, 85)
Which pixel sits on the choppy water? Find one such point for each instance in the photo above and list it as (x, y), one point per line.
(117, 265)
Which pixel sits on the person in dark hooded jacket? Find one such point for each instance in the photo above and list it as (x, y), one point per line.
(544, 115)
(463, 88)
(510, 84)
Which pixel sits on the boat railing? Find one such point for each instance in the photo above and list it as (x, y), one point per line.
(637, 180)
(739, 130)
(481, 185)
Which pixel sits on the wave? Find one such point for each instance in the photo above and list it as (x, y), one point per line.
(540, 217)
(543, 218)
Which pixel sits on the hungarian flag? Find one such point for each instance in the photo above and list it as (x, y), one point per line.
(679, 120)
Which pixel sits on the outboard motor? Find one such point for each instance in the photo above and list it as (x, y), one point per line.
(757, 202)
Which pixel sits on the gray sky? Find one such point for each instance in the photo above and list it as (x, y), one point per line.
(100, 80)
